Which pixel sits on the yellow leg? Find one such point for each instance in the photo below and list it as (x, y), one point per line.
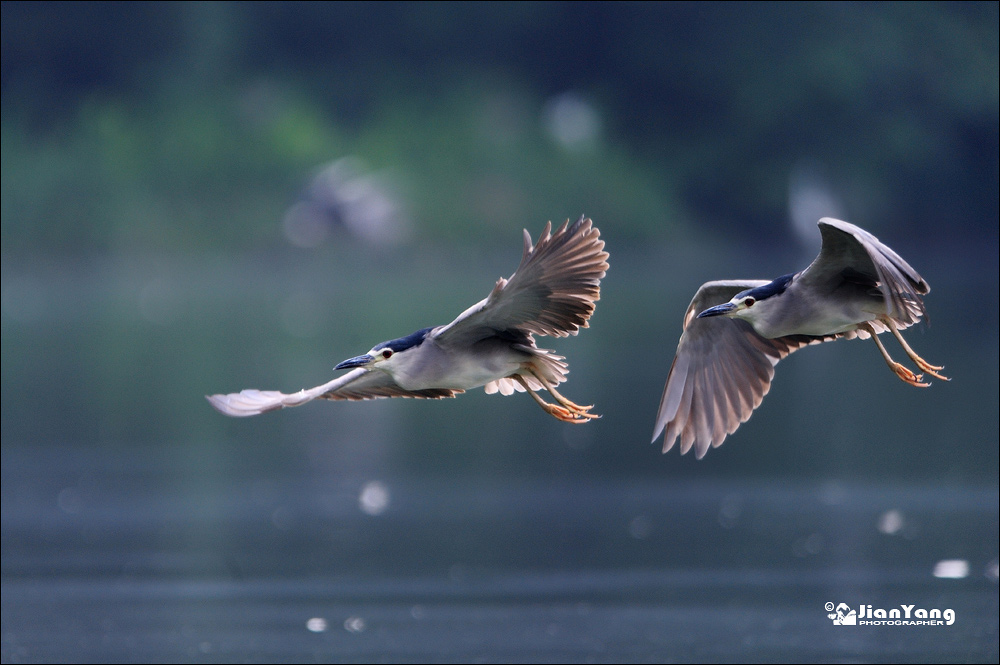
(572, 413)
(921, 363)
(572, 406)
(902, 372)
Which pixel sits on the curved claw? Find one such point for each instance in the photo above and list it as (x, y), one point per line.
(924, 365)
(909, 377)
(930, 369)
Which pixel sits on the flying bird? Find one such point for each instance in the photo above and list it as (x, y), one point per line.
(490, 344)
(856, 287)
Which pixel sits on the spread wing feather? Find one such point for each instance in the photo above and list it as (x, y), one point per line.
(358, 384)
(720, 374)
(552, 292)
(850, 249)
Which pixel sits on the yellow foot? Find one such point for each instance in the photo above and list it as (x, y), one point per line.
(577, 416)
(909, 377)
(921, 363)
(568, 412)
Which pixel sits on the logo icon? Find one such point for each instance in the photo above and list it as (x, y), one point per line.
(843, 616)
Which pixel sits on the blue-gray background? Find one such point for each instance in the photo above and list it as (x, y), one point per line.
(204, 197)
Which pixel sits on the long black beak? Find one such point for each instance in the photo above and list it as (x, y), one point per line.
(357, 361)
(718, 310)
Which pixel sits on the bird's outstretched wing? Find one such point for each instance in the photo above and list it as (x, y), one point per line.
(358, 384)
(851, 253)
(552, 292)
(720, 374)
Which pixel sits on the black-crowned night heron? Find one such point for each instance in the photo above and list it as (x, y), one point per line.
(490, 344)
(856, 287)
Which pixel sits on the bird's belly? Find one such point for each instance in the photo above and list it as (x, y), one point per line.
(829, 321)
(474, 377)
(461, 371)
(810, 330)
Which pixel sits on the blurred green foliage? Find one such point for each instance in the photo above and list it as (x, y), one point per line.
(195, 125)
(217, 170)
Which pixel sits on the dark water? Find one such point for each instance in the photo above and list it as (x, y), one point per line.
(139, 555)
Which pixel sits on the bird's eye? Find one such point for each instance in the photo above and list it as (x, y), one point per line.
(386, 353)
(749, 302)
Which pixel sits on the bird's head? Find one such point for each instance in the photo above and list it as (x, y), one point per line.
(751, 303)
(385, 354)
